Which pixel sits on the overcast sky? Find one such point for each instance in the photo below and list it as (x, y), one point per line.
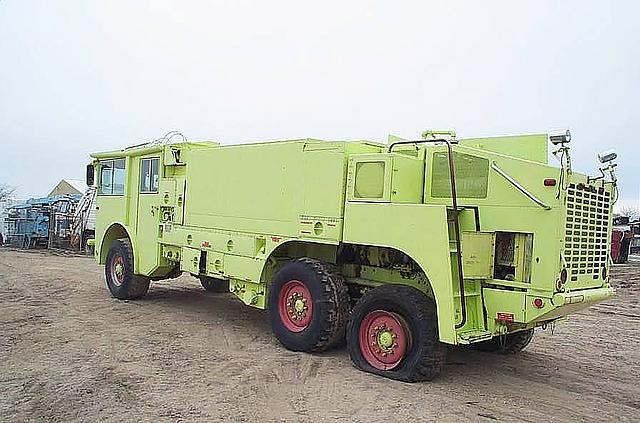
(84, 76)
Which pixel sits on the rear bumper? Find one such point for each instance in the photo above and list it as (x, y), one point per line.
(512, 311)
(571, 302)
(583, 296)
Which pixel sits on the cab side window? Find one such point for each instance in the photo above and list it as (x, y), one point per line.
(112, 177)
(149, 175)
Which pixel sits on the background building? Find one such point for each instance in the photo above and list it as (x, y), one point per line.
(69, 187)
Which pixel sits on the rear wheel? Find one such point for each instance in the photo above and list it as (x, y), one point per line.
(308, 305)
(121, 281)
(84, 244)
(393, 332)
(512, 343)
(214, 285)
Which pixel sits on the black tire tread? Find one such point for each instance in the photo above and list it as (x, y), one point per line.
(214, 284)
(432, 355)
(337, 299)
(512, 343)
(138, 285)
(520, 340)
(331, 305)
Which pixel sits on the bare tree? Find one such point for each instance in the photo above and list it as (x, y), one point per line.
(6, 191)
(631, 212)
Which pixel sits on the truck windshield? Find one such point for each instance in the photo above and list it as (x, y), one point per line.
(112, 177)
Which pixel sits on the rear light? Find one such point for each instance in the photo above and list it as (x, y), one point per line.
(562, 279)
(550, 182)
(538, 303)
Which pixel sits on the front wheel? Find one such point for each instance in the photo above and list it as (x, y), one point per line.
(393, 332)
(121, 281)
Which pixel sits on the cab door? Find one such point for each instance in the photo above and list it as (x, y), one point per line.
(112, 198)
(148, 215)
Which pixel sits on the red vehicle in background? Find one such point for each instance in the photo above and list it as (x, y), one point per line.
(635, 241)
(622, 235)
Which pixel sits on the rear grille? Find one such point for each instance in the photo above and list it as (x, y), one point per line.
(586, 230)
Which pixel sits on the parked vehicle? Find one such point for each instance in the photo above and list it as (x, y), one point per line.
(404, 248)
(83, 225)
(41, 222)
(621, 238)
(635, 241)
(5, 205)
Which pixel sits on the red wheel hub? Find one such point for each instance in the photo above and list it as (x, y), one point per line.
(295, 306)
(384, 339)
(117, 270)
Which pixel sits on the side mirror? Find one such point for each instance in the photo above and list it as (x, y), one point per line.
(90, 175)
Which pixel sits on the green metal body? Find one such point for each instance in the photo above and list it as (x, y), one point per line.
(239, 212)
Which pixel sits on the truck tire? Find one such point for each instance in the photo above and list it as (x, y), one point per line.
(172, 274)
(393, 332)
(308, 305)
(86, 236)
(214, 285)
(118, 271)
(512, 343)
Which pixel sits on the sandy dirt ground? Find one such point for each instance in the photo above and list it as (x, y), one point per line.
(70, 352)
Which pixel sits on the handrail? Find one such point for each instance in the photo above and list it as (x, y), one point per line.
(522, 189)
(456, 223)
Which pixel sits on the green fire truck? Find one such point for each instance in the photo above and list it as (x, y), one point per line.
(402, 248)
